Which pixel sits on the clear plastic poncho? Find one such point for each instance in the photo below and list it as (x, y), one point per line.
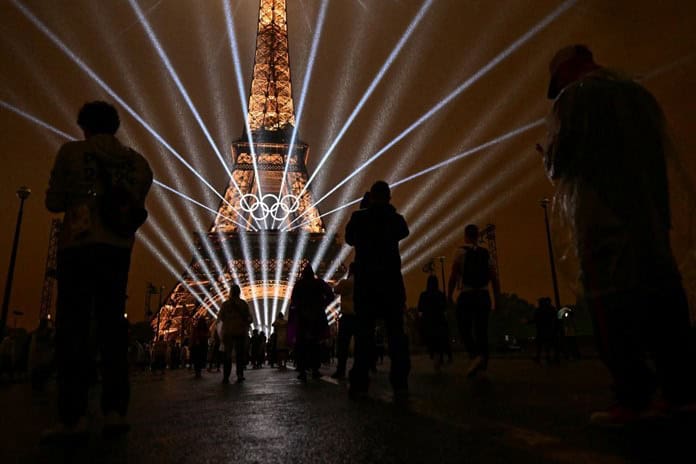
(624, 212)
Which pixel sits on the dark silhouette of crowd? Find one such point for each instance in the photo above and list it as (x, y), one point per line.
(606, 158)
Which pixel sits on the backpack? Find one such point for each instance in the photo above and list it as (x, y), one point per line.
(475, 271)
(119, 210)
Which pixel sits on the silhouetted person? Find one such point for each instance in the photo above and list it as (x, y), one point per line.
(236, 318)
(41, 354)
(346, 324)
(280, 328)
(472, 271)
(569, 339)
(199, 345)
(307, 323)
(375, 233)
(253, 347)
(606, 155)
(432, 306)
(100, 186)
(544, 320)
(258, 348)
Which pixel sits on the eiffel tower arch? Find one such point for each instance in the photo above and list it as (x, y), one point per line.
(267, 228)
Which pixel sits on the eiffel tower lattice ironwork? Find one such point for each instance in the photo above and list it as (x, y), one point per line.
(268, 191)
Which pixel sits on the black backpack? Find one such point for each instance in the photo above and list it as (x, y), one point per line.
(475, 272)
(119, 211)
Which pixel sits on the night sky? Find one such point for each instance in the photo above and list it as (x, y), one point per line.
(456, 45)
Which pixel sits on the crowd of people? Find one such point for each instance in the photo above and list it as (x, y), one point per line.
(606, 157)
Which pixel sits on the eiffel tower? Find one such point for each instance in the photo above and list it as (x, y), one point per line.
(266, 229)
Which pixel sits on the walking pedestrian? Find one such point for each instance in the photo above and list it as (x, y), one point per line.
(432, 306)
(280, 328)
(235, 318)
(544, 320)
(199, 345)
(307, 323)
(472, 271)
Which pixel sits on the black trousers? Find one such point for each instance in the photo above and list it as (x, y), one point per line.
(633, 325)
(238, 344)
(346, 330)
(365, 349)
(199, 354)
(473, 309)
(307, 352)
(91, 283)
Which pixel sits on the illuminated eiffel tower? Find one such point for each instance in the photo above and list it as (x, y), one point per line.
(268, 191)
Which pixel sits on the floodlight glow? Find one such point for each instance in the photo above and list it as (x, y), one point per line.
(196, 255)
(264, 274)
(378, 78)
(668, 67)
(182, 90)
(444, 163)
(461, 88)
(29, 15)
(158, 255)
(246, 253)
(411, 263)
(242, 92)
(35, 120)
(297, 259)
(151, 222)
(433, 232)
(186, 197)
(336, 262)
(350, 203)
(471, 151)
(280, 257)
(303, 92)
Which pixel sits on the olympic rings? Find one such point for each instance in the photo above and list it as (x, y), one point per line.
(270, 205)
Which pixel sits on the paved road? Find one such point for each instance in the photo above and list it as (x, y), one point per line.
(519, 412)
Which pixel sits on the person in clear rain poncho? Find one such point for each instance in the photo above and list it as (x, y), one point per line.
(607, 157)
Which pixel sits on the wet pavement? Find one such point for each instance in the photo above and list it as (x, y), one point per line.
(518, 412)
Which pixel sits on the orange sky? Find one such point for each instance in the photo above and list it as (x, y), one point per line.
(455, 40)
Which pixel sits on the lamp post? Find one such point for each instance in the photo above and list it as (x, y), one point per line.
(22, 193)
(544, 204)
(444, 284)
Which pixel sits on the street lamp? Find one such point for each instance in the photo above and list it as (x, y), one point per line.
(442, 268)
(544, 204)
(22, 193)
